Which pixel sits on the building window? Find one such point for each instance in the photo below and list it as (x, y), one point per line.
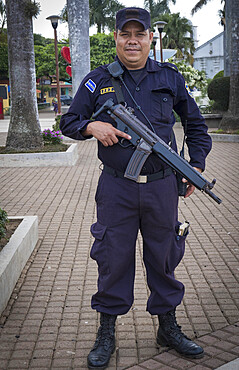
(203, 64)
(216, 65)
(210, 48)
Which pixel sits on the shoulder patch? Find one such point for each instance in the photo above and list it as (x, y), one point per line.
(188, 90)
(90, 85)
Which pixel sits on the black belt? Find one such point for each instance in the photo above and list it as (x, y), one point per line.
(142, 179)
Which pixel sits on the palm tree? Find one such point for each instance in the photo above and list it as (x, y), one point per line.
(78, 21)
(199, 5)
(178, 35)
(158, 7)
(24, 129)
(102, 13)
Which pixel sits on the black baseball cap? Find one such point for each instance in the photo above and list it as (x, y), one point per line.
(132, 14)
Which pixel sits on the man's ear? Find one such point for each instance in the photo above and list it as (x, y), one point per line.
(115, 35)
(151, 35)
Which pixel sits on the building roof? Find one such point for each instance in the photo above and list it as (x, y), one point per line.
(208, 42)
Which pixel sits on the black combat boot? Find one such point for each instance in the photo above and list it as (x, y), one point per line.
(170, 334)
(104, 346)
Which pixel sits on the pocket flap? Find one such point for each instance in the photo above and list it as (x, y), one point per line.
(164, 90)
(98, 230)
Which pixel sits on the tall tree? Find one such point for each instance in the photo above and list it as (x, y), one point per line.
(102, 13)
(78, 21)
(178, 35)
(230, 120)
(24, 129)
(158, 7)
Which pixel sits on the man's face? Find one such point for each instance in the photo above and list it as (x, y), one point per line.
(133, 45)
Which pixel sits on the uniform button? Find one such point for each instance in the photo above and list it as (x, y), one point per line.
(165, 99)
(137, 88)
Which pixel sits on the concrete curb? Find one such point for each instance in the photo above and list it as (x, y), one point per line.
(68, 158)
(233, 365)
(226, 138)
(212, 120)
(15, 254)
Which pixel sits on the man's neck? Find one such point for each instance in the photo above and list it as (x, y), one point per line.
(131, 67)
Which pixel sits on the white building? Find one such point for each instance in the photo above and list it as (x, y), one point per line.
(209, 56)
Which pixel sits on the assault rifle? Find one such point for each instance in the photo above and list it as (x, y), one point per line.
(146, 142)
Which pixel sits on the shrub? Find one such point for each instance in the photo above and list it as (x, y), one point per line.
(218, 90)
(52, 136)
(56, 126)
(102, 49)
(219, 74)
(3, 223)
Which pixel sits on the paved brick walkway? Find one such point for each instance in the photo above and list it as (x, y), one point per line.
(48, 323)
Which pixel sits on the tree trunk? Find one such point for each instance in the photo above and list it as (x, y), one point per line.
(98, 27)
(78, 21)
(24, 128)
(227, 39)
(230, 120)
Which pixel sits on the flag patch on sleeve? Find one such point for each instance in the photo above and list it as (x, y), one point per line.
(90, 85)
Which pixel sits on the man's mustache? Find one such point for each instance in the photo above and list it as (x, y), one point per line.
(132, 48)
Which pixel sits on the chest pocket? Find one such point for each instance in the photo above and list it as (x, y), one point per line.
(162, 101)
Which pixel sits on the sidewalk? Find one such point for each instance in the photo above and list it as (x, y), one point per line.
(47, 119)
(48, 323)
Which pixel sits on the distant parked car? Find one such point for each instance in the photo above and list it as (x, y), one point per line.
(66, 99)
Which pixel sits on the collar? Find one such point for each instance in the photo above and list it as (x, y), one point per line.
(152, 65)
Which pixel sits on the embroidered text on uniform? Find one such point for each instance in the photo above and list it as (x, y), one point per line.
(106, 90)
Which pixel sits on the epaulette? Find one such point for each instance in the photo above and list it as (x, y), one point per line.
(168, 65)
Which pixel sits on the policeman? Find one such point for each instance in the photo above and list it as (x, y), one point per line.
(124, 207)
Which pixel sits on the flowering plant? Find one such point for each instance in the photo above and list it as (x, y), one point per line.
(193, 77)
(52, 136)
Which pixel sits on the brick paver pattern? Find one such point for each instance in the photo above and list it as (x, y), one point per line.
(49, 324)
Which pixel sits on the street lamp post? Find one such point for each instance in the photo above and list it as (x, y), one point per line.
(160, 26)
(54, 22)
(155, 38)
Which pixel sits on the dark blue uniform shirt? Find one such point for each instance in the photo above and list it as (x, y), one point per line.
(159, 90)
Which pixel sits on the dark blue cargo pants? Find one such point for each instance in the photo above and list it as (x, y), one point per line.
(123, 208)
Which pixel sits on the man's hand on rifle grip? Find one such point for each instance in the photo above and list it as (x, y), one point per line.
(190, 187)
(104, 132)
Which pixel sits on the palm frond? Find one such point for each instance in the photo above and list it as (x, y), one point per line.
(199, 5)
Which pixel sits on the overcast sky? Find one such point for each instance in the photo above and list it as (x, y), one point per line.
(206, 19)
